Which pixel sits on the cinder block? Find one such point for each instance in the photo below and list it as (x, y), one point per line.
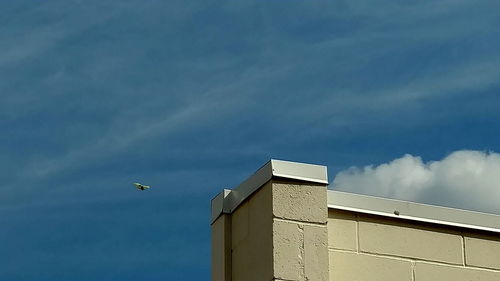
(433, 272)
(288, 250)
(280, 232)
(316, 253)
(346, 266)
(483, 251)
(402, 239)
(301, 202)
(342, 230)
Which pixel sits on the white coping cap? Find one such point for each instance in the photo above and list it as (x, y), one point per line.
(413, 211)
(228, 200)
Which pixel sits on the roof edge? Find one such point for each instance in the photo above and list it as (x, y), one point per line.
(413, 211)
(228, 200)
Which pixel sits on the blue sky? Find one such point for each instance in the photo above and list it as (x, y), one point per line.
(193, 96)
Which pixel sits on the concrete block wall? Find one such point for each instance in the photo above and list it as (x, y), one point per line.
(278, 226)
(278, 233)
(368, 247)
(300, 244)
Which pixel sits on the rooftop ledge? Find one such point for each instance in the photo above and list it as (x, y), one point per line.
(228, 200)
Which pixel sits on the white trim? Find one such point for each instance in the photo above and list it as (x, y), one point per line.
(413, 211)
(228, 200)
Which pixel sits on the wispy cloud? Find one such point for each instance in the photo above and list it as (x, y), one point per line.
(126, 130)
(96, 94)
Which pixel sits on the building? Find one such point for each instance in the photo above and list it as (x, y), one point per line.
(283, 224)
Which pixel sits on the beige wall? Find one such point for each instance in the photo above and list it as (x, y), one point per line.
(278, 233)
(252, 237)
(274, 228)
(367, 247)
(284, 231)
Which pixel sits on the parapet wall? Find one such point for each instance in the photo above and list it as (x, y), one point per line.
(274, 238)
(282, 224)
(370, 247)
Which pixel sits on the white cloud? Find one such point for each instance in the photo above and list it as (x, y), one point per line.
(465, 179)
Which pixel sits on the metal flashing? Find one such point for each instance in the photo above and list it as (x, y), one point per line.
(228, 200)
(218, 204)
(299, 171)
(413, 211)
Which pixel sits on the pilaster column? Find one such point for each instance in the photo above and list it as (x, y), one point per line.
(273, 226)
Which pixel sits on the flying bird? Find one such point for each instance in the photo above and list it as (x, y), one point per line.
(141, 186)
